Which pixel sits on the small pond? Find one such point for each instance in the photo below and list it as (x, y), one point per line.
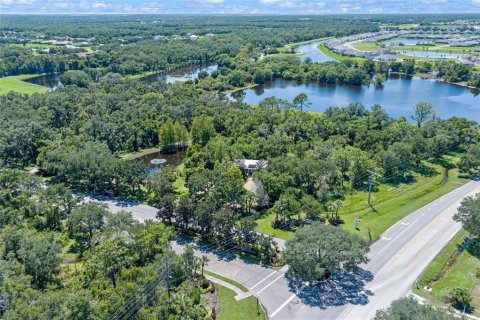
(408, 42)
(51, 81)
(173, 159)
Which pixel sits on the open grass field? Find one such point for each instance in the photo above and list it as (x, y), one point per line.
(15, 83)
(238, 310)
(336, 56)
(451, 269)
(365, 46)
(390, 203)
(404, 26)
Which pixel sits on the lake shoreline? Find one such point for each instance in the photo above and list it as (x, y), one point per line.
(427, 76)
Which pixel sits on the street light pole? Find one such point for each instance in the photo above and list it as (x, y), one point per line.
(370, 183)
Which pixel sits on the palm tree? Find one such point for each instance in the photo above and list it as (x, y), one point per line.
(204, 261)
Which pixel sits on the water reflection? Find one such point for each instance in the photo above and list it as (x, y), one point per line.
(398, 96)
(51, 81)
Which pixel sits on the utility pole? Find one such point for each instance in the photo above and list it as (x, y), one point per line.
(167, 272)
(370, 183)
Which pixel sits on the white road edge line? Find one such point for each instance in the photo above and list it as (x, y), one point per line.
(268, 285)
(283, 305)
(271, 274)
(411, 224)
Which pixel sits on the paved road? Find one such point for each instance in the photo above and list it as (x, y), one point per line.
(396, 261)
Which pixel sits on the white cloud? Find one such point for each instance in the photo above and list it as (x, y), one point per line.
(101, 5)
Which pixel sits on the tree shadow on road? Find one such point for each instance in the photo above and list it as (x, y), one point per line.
(222, 253)
(338, 290)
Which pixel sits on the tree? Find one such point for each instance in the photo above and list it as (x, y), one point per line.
(150, 239)
(301, 101)
(184, 211)
(85, 221)
(410, 309)
(41, 257)
(80, 306)
(468, 214)
(202, 130)
(107, 259)
(461, 298)
(380, 78)
(167, 137)
(319, 250)
(424, 111)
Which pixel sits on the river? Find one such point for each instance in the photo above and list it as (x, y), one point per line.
(312, 52)
(398, 96)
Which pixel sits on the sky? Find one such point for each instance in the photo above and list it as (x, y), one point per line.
(237, 6)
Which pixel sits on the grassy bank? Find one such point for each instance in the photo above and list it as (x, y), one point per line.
(390, 203)
(230, 309)
(138, 154)
(451, 269)
(15, 83)
(337, 56)
(286, 48)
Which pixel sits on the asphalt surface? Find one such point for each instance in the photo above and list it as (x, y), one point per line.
(397, 259)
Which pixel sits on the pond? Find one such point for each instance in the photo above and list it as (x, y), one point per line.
(398, 96)
(180, 74)
(173, 159)
(51, 81)
(312, 52)
(430, 54)
(408, 42)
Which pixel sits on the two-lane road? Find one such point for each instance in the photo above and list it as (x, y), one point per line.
(397, 259)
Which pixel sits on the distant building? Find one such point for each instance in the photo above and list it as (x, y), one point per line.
(249, 165)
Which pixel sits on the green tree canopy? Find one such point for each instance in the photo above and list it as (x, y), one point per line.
(318, 250)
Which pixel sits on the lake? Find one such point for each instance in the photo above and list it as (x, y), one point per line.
(430, 54)
(408, 42)
(312, 52)
(180, 74)
(398, 96)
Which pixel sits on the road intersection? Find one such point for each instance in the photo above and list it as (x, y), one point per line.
(397, 259)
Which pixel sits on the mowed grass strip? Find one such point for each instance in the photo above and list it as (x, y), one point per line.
(444, 274)
(337, 56)
(230, 309)
(232, 282)
(390, 204)
(15, 83)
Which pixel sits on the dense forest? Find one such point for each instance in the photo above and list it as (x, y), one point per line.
(64, 258)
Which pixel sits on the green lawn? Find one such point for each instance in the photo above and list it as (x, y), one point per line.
(233, 282)
(366, 46)
(336, 56)
(138, 154)
(230, 309)
(404, 26)
(437, 48)
(391, 204)
(443, 276)
(15, 83)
